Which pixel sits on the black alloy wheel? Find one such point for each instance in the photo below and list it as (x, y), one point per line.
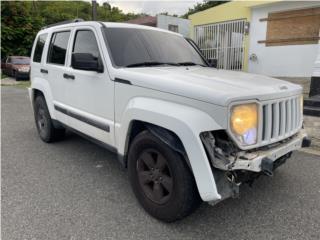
(155, 176)
(161, 179)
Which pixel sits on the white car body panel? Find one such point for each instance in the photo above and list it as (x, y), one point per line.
(184, 100)
(187, 123)
(219, 87)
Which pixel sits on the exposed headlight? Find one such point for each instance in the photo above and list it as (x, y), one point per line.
(244, 123)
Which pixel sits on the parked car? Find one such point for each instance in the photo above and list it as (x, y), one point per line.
(16, 66)
(187, 132)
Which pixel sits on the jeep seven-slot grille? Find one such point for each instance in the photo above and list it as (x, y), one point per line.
(280, 119)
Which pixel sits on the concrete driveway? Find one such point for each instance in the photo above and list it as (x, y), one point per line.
(76, 190)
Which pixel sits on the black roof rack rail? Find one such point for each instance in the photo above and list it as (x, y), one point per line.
(63, 22)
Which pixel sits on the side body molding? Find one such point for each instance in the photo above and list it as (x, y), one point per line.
(187, 123)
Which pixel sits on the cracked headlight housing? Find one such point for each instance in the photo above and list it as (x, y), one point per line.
(244, 123)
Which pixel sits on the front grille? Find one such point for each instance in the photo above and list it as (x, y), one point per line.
(279, 119)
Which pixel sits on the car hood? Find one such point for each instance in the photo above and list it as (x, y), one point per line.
(208, 84)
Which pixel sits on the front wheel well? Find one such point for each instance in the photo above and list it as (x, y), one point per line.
(165, 135)
(36, 93)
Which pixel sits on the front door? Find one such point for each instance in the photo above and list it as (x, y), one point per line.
(89, 94)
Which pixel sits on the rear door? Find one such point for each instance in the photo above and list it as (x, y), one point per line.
(89, 101)
(54, 68)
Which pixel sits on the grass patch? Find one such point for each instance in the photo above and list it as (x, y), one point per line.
(20, 84)
(23, 84)
(3, 76)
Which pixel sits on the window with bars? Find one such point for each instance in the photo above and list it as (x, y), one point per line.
(173, 28)
(223, 41)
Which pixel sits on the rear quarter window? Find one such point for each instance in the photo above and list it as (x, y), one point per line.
(39, 47)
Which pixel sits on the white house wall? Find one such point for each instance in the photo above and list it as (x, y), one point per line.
(281, 61)
(163, 22)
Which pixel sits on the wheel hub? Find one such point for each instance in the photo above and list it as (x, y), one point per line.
(41, 120)
(154, 175)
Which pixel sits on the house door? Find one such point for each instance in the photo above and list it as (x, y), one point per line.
(223, 41)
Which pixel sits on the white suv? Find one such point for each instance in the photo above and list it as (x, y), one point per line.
(187, 132)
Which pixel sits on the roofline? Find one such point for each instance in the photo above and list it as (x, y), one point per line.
(73, 23)
(63, 23)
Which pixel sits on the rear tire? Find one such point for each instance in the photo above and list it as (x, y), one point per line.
(46, 130)
(161, 180)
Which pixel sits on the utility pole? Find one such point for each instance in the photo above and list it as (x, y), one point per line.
(94, 10)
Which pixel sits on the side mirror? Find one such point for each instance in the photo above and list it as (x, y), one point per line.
(213, 62)
(86, 61)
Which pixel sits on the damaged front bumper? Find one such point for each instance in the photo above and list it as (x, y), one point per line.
(232, 167)
(225, 156)
(260, 160)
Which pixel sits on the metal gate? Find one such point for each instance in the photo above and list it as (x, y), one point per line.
(224, 42)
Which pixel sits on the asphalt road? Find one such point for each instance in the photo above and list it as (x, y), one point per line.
(76, 190)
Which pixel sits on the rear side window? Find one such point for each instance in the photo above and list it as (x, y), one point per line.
(39, 47)
(58, 47)
(85, 42)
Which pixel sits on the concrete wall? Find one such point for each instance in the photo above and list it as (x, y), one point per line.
(284, 61)
(163, 22)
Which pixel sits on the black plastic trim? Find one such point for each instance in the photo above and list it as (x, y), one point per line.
(91, 139)
(63, 22)
(68, 76)
(306, 142)
(82, 118)
(198, 50)
(44, 71)
(119, 80)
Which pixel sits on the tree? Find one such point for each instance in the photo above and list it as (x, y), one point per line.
(21, 20)
(202, 6)
(19, 25)
(167, 14)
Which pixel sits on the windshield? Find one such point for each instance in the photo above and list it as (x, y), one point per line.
(21, 61)
(131, 47)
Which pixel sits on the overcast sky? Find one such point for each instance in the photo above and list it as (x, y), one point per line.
(153, 7)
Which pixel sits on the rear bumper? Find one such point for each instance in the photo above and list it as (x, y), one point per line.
(257, 161)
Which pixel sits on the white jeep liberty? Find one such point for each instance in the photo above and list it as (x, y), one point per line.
(187, 132)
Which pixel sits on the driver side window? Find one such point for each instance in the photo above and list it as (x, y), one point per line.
(85, 42)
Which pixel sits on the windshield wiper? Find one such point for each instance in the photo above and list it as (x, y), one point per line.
(191, 64)
(150, 64)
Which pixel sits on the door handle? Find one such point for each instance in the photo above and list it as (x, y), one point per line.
(44, 70)
(68, 76)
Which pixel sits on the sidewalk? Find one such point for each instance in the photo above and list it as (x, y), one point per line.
(8, 81)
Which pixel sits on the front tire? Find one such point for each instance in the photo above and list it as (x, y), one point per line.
(46, 130)
(161, 179)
